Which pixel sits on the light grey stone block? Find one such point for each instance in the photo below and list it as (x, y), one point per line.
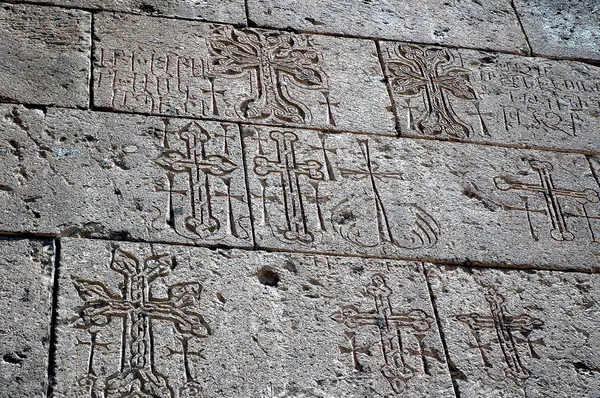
(520, 333)
(484, 24)
(494, 98)
(562, 28)
(27, 269)
(103, 175)
(216, 71)
(45, 55)
(382, 196)
(229, 11)
(171, 321)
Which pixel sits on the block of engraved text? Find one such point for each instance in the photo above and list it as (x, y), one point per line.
(169, 321)
(562, 28)
(475, 24)
(513, 334)
(230, 11)
(27, 270)
(493, 98)
(384, 196)
(45, 55)
(70, 172)
(220, 72)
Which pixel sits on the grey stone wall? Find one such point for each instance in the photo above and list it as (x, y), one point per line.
(268, 198)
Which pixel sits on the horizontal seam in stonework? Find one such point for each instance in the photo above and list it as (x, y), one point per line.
(591, 62)
(258, 248)
(327, 130)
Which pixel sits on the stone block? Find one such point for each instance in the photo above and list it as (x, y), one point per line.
(229, 11)
(474, 24)
(520, 333)
(390, 197)
(27, 269)
(97, 174)
(220, 72)
(493, 98)
(45, 55)
(562, 28)
(178, 321)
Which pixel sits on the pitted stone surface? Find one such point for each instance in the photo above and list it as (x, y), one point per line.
(562, 28)
(474, 24)
(493, 98)
(520, 334)
(259, 76)
(104, 175)
(228, 323)
(229, 11)
(25, 304)
(44, 55)
(382, 196)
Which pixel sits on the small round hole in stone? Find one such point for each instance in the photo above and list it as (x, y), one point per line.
(268, 277)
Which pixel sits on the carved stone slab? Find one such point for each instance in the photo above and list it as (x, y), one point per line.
(562, 28)
(45, 55)
(495, 98)
(516, 334)
(220, 72)
(167, 321)
(105, 175)
(25, 304)
(381, 196)
(230, 11)
(475, 24)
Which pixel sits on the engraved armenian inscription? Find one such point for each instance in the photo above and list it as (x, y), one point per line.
(239, 74)
(307, 190)
(464, 94)
(135, 312)
(401, 336)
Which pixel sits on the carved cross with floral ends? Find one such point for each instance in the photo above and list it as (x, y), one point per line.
(275, 62)
(426, 72)
(138, 309)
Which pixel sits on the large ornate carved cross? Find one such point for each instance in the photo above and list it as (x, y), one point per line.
(417, 71)
(136, 306)
(275, 61)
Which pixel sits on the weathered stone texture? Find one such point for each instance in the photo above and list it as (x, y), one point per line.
(105, 175)
(520, 334)
(494, 98)
(475, 24)
(27, 271)
(195, 69)
(382, 196)
(562, 28)
(230, 11)
(227, 323)
(45, 55)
